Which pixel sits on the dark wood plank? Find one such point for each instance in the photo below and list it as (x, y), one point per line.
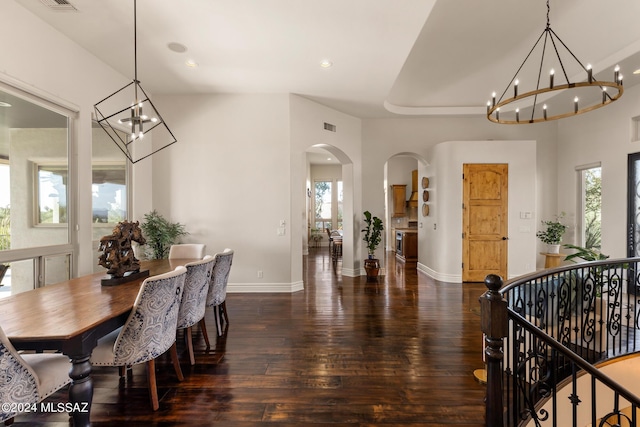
(400, 352)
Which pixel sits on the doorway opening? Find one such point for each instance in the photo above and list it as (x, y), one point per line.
(329, 208)
(404, 206)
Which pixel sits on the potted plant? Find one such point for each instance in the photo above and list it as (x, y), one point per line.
(553, 233)
(160, 234)
(373, 237)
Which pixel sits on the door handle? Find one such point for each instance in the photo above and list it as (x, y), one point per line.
(505, 238)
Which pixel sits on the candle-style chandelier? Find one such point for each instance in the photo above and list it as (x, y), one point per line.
(129, 124)
(556, 101)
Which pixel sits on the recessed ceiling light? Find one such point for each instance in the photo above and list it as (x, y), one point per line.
(191, 63)
(329, 158)
(4, 104)
(637, 71)
(177, 47)
(326, 63)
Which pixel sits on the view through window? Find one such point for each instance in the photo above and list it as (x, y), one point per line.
(591, 207)
(34, 192)
(328, 205)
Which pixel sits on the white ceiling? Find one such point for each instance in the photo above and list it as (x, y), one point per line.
(390, 57)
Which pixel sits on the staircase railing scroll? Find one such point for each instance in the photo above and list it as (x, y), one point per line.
(549, 338)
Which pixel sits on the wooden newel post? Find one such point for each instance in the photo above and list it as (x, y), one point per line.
(493, 309)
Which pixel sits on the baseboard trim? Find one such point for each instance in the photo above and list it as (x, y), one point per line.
(451, 278)
(265, 287)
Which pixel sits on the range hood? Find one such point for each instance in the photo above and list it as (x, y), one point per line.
(413, 200)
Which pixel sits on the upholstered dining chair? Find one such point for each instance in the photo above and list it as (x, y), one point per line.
(187, 250)
(217, 295)
(194, 300)
(28, 378)
(149, 331)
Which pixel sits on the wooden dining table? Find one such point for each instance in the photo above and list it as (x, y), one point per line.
(71, 317)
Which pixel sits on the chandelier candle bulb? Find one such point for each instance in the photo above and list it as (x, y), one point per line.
(620, 80)
(589, 73)
(604, 95)
(517, 114)
(498, 114)
(515, 88)
(488, 106)
(575, 104)
(616, 73)
(551, 73)
(544, 111)
(493, 99)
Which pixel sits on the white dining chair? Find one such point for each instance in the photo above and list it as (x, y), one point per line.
(149, 331)
(194, 299)
(217, 295)
(187, 251)
(28, 378)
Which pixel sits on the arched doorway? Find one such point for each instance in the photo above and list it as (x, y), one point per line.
(403, 177)
(329, 202)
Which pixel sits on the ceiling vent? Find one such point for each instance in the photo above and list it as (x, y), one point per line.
(59, 5)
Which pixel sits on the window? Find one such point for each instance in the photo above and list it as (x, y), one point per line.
(109, 185)
(5, 197)
(35, 201)
(339, 204)
(322, 206)
(51, 193)
(109, 193)
(328, 205)
(635, 129)
(589, 219)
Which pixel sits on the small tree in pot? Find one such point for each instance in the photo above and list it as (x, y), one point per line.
(552, 235)
(373, 237)
(160, 234)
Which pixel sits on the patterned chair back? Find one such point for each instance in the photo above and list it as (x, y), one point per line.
(220, 277)
(150, 329)
(187, 250)
(18, 382)
(194, 297)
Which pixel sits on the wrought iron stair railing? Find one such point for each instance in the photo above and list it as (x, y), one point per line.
(547, 333)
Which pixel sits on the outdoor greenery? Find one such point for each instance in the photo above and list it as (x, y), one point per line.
(593, 208)
(322, 187)
(587, 254)
(5, 228)
(372, 232)
(160, 234)
(554, 231)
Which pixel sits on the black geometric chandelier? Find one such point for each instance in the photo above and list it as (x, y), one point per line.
(128, 116)
(562, 97)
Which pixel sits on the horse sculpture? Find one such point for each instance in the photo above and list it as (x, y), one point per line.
(117, 254)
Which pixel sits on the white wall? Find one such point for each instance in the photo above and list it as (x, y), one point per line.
(604, 135)
(442, 229)
(228, 180)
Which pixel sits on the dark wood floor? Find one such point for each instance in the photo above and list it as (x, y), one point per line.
(398, 352)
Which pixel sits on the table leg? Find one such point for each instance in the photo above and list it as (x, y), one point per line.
(81, 390)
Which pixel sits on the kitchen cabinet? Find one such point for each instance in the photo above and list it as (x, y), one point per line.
(399, 200)
(407, 245)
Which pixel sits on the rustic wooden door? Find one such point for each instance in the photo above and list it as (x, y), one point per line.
(485, 222)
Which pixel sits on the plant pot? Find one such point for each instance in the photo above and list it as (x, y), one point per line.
(553, 249)
(372, 267)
